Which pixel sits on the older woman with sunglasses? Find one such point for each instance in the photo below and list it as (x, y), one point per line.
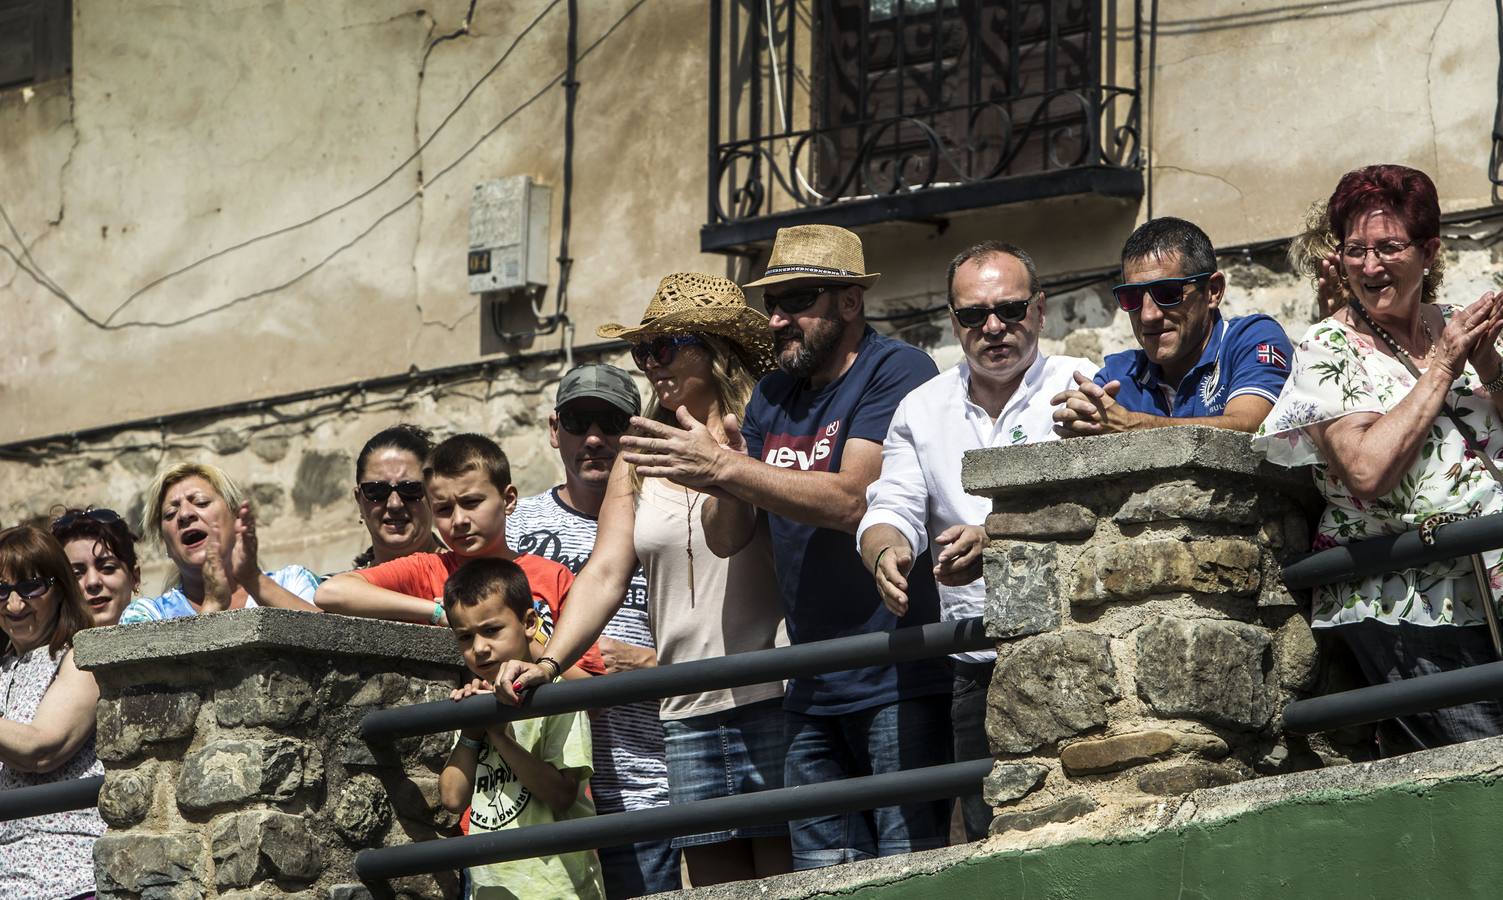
(1194, 367)
(702, 349)
(198, 515)
(46, 718)
(1397, 403)
(102, 553)
(389, 494)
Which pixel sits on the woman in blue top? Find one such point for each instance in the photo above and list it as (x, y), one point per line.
(199, 516)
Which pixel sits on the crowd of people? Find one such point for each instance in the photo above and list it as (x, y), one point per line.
(795, 476)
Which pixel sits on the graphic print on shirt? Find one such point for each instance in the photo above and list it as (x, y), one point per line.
(549, 543)
(1211, 390)
(808, 452)
(499, 796)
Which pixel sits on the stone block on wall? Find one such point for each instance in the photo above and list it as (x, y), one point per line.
(1048, 687)
(1206, 669)
(1056, 521)
(232, 772)
(169, 866)
(250, 846)
(148, 714)
(1022, 588)
(1136, 569)
(1232, 503)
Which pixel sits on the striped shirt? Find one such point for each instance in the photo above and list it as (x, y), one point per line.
(631, 771)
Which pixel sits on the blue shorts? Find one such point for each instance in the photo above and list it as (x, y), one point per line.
(738, 751)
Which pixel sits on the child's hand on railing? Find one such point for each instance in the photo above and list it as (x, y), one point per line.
(477, 686)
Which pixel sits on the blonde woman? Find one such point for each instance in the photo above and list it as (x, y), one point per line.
(200, 518)
(701, 348)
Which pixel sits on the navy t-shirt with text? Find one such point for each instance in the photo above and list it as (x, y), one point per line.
(826, 591)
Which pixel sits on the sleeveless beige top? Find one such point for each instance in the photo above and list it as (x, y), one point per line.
(735, 606)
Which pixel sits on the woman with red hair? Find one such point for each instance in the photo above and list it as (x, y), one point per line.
(1396, 401)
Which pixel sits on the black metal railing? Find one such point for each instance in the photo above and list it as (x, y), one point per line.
(46, 799)
(856, 111)
(736, 670)
(1375, 556)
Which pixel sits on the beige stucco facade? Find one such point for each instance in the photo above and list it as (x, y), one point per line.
(242, 200)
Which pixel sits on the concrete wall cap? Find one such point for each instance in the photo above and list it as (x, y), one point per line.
(999, 471)
(281, 629)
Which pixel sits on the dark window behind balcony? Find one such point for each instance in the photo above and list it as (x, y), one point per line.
(36, 41)
(897, 109)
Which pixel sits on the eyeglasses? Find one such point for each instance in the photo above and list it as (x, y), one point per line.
(29, 588)
(578, 421)
(794, 302)
(102, 516)
(661, 350)
(1166, 292)
(1386, 251)
(977, 316)
(380, 491)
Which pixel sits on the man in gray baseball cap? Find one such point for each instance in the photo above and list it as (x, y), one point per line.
(593, 407)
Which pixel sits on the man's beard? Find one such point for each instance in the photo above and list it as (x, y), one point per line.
(815, 346)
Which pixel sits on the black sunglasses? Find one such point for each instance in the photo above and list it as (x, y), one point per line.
(1166, 292)
(661, 350)
(975, 316)
(578, 421)
(379, 491)
(102, 516)
(794, 302)
(28, 588)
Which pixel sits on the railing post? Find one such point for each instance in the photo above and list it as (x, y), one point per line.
(1146, 644)
(233, 762)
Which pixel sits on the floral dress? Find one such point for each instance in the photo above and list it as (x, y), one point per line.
(1338, 371)
(44, 857)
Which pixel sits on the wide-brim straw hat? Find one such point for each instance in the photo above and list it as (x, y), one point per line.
(697, 304)
(823, 253)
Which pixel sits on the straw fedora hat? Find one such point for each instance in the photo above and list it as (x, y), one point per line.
(696, 304)
(825, 253)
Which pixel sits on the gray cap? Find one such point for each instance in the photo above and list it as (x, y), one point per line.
(603, 382)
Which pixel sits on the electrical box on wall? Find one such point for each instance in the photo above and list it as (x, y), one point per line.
(509, 235)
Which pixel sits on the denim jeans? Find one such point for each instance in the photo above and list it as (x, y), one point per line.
(636, 870)
(736, 751)
(968, 716)
(908, 734)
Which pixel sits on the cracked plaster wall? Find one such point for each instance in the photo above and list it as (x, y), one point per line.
(193, 128)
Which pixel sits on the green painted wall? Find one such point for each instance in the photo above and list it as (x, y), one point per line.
(1441, 841)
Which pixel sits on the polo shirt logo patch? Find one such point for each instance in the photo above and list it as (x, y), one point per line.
(1270, 355)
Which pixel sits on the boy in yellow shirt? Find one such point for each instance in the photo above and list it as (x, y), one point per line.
(521, 773)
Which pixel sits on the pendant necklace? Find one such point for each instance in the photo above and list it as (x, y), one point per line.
(689, 504)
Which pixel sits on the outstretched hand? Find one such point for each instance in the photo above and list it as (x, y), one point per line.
(218, 588)
(1470, 335)
(688, 456)
(893, 564)
(244, 567)
(1090, 408)
(1331, 291)
(959, 563)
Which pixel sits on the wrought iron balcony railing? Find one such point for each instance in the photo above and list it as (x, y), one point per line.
(860, 111)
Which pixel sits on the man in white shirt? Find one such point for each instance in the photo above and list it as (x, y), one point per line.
(997, 397)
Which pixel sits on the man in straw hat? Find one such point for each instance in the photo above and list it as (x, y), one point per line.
(998, 396)
(813, 440)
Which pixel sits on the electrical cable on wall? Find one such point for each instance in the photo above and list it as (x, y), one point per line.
(42, 279)
(560, 317)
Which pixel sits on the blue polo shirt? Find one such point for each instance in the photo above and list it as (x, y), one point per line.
(1245, 355)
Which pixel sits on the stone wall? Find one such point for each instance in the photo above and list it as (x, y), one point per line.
(233, 762)
(1145, 641)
